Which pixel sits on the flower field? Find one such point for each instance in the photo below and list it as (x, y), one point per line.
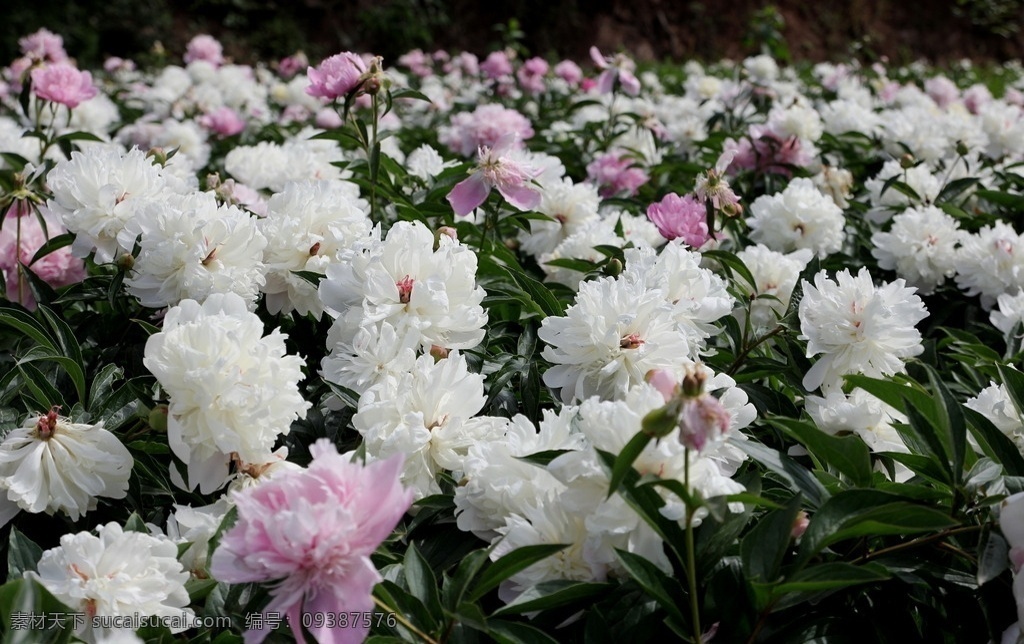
(460, 349)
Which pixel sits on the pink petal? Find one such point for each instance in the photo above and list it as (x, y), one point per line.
(606, 81)
(468, 194)
(523, 196)
(595, 55)
(630, 83)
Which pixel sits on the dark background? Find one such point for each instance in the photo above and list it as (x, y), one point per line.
(901, 30)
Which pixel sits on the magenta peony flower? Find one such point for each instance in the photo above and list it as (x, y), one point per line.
(497, 169)
(204, 47)
(289, 66)
(677, 217)
(336, 76)
(223, 121)
(62, 83)
(312, 532)
(59, 268)
(615, 173)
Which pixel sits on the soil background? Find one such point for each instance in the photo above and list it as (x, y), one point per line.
(898, 30)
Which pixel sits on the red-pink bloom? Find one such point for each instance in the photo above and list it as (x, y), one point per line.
(223, 121)
(531, 75)
(615, 173)
(615, 68)
(62, 83)
(204, 47)
(43, 45)
(496, 65)
(684, 217)
(336, 76)
(58, 268)
(703, 420)
(497, 169)
(312, 532)
(569, 71)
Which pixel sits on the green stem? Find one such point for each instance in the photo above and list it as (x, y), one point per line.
(691, 563)
(369, 159)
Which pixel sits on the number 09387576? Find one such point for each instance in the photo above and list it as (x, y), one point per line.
(358, 619)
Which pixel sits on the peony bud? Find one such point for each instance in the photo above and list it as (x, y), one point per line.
(664, 382)
(660, 422)
(800, 525)
(158, 419)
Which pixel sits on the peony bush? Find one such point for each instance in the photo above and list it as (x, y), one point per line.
(459, 350)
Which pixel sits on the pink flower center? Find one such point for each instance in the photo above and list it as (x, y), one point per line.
(47, 425)
(404, 289)
(631, 341)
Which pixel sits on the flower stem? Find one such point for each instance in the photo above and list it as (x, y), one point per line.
(403, 621)
(691, 564)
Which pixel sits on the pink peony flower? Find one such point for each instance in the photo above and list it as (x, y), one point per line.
(531, 75)
(418, 63)
(43, 45)
(289, 66)
(942, 90)
(484, 127)
(223, 121)
(328, 119)
(58, 268)
(703, 420)
(764, 150)
(615, 68)
(336, 76)
(496, 65)
(115, 64)
(976, 97)
(684, 217)
(312, 532)
(62, 83)
(569, 71)
(615, 173)
(205, 47)
(466, 62)
(496, 169)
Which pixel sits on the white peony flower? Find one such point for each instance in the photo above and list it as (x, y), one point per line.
(991, 262)
(231, 390)
(427, 414)
(698, 296)
(98, 191)
(50, 464)
(610, 338)
(116, 573)
(570, 205)
(497, 484)
(994, 403)
(307, 227)
(775, 275)
(1010, 313)
(196, 526)
(431, 294)
(365, 359)
(425, 162)
(862, 414)
(920, 247)
(858, 327)
(191, 248)
(599, 231)
(884, 201)
(798, 217)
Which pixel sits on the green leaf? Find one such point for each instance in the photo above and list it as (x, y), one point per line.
(310, 276)
(995, 443)
(22, 599)
(505, 632)
(541, 295)
(135, 524)
(27, 325)
(848, 454)
(856, 513)
(455, 588)
(22, 554)
(406, 92)
(663, 589)
(954, 188)
(764, 547)
(51, 245)
(421, 580)
(1000, 198)
(799, 479)
(951, 421)
(735, 264)
(554, 594)
(40, 388)
(102, 385)
(831, 575)
(624, 461)
(1013, 381)
(993, 556)
(510, 564)
(69, 348)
